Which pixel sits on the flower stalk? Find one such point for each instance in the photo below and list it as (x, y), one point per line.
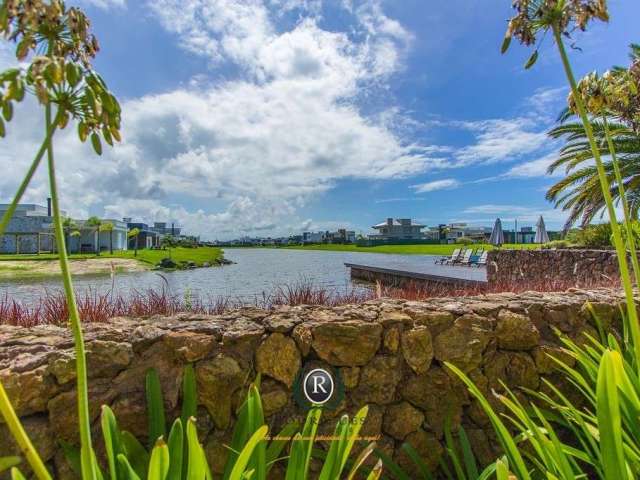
(631, 241)
(86, 449)
(604, 184)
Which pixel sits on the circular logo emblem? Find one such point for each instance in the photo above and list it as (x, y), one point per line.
(318, 386)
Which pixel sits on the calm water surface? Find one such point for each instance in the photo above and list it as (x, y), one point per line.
(256, 272)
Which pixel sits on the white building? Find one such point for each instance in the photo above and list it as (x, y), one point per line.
(91, 239)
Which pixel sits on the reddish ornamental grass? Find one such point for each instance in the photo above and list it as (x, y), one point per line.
(95, 307)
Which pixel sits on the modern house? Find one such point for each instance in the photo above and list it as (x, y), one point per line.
(342, 235)
(30, 230)
(313, 237)
(162, 229)
(398, 229)
(147, 238)
(459, 230)
(91, 239)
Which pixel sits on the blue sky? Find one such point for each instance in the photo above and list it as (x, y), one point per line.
(269, 117)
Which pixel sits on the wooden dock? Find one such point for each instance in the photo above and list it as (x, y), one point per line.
(394, 277)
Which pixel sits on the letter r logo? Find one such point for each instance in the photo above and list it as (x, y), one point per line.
(318, 386)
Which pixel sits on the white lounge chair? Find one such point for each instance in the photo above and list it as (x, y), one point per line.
(482, 261)
(465, 258)
(475, 258)
(454, 256)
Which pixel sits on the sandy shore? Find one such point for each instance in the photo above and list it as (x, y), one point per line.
(23, 268)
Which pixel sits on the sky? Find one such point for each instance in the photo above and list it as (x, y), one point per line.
(273, 117)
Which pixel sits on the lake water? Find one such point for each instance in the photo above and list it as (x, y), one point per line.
(256, 272)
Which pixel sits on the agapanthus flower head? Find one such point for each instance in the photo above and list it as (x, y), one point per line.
(533, 16)
(614, 94)
(593, 91)
(36, 25)
(60, 70)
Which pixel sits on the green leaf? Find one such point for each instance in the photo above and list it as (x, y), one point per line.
(9, 75)
(531, 61)
(129, 472)
(111, 435)
(72, 455)
(505, 438)
(277, 445)
(95, 141)
(376, 472)
(159, 463)
(135, 453)
(505, 44)
(238, 471)
(2, 130)
(8, 462)
(155, 404)
(419, 462)
(189, 394)
(7, 110)
(16, 474)
(82, 131)
(107, 136)
(73, 75)
(609, 422)
(19, 90)
(467, 454)
(176, 443)
(502, 471)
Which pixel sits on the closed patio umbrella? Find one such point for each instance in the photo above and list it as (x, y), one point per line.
(541, 232)
(497, 236)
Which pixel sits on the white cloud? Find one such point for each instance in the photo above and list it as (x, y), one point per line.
(500, 140)
(546, 102)
(533, 168)
(486, 214)
(496, 209)
(257, 148)
(445, 184)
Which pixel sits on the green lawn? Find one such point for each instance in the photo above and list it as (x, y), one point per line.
(419, 249)
(198, 255)
(178, 254)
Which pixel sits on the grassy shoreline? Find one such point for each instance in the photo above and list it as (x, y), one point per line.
(415, 249)
(46, 265)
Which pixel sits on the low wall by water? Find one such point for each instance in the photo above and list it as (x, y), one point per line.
(389, 354)
(585, 267)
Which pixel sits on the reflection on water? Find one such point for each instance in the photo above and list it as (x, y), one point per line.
(256, 272)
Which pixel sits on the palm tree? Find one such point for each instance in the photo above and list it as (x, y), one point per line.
(135, 234)
(108, 227)
(95, 223)
(579, 192)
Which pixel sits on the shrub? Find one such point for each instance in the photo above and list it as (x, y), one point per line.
(465, 241)
(591, 236)
(557, 244)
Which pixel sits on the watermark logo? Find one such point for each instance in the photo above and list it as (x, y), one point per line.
(318, 387)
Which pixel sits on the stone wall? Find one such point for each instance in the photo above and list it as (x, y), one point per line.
(586, 267)
(389, 354)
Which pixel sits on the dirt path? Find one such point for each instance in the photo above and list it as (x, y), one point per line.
(26, 268)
